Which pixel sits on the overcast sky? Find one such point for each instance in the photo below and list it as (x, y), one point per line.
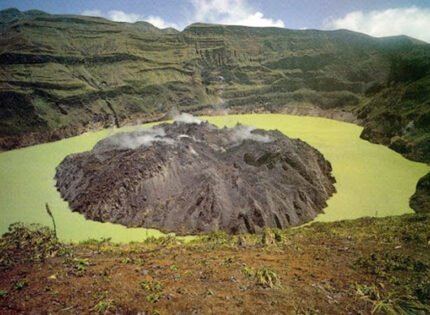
(374, 17)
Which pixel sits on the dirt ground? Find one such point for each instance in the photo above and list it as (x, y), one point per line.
(352, 267)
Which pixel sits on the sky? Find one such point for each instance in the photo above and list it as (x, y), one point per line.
(373, 17)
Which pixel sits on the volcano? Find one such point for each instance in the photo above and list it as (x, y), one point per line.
(194, 177)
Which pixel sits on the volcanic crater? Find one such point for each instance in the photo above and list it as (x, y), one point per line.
(194, 177)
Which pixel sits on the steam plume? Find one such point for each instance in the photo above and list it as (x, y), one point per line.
(187, 119)
(241, 133)
(133, 140)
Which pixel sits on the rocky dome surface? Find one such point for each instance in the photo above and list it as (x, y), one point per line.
(193, 177)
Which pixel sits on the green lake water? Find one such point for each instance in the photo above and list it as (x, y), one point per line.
(372, 180)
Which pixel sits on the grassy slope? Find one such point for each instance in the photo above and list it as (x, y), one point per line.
(64, 71)
(70, 67)
(349, 267)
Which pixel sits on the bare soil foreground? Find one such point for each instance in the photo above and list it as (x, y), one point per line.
(369, 265)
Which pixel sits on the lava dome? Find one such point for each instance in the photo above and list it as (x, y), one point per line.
(194, 177)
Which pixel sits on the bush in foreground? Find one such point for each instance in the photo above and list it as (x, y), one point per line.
(28, 243)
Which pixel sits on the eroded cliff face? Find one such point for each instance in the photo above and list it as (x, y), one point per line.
(192, 177)
(62, 75)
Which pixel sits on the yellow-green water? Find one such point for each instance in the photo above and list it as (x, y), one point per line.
(372, 180)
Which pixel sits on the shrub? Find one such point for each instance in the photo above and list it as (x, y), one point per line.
(391, 303)
(155, 290)
(104, 306)
(267, 278)
(28, 243)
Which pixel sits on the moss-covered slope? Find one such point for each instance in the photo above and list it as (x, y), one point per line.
(61, 75)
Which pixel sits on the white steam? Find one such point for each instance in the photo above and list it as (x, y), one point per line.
(145, 138)
(187, 119)
(133, 140)
(241, 133)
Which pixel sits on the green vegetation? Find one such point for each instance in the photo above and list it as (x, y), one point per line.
(48, 210)
(154, 290)
(36, 243)
(77, 265)
(248, 271)
(381, 265)
(391, 304)
(267, 278)
(368, 266)
(20, 284)
(104, 306)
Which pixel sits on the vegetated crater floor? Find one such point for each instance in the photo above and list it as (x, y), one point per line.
(194, 177)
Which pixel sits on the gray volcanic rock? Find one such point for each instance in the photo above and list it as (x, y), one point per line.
(420, 200)
(192, 177)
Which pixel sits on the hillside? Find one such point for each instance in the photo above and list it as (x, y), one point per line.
(62, 75)
(366, 266)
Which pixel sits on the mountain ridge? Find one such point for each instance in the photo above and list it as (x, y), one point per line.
(63, 75)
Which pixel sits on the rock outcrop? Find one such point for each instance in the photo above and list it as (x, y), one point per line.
(420, 200)
(192, 177)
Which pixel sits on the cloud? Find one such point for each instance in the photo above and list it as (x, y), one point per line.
(121, 16)
(231, 12)
(159, 22)
(412, 21)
